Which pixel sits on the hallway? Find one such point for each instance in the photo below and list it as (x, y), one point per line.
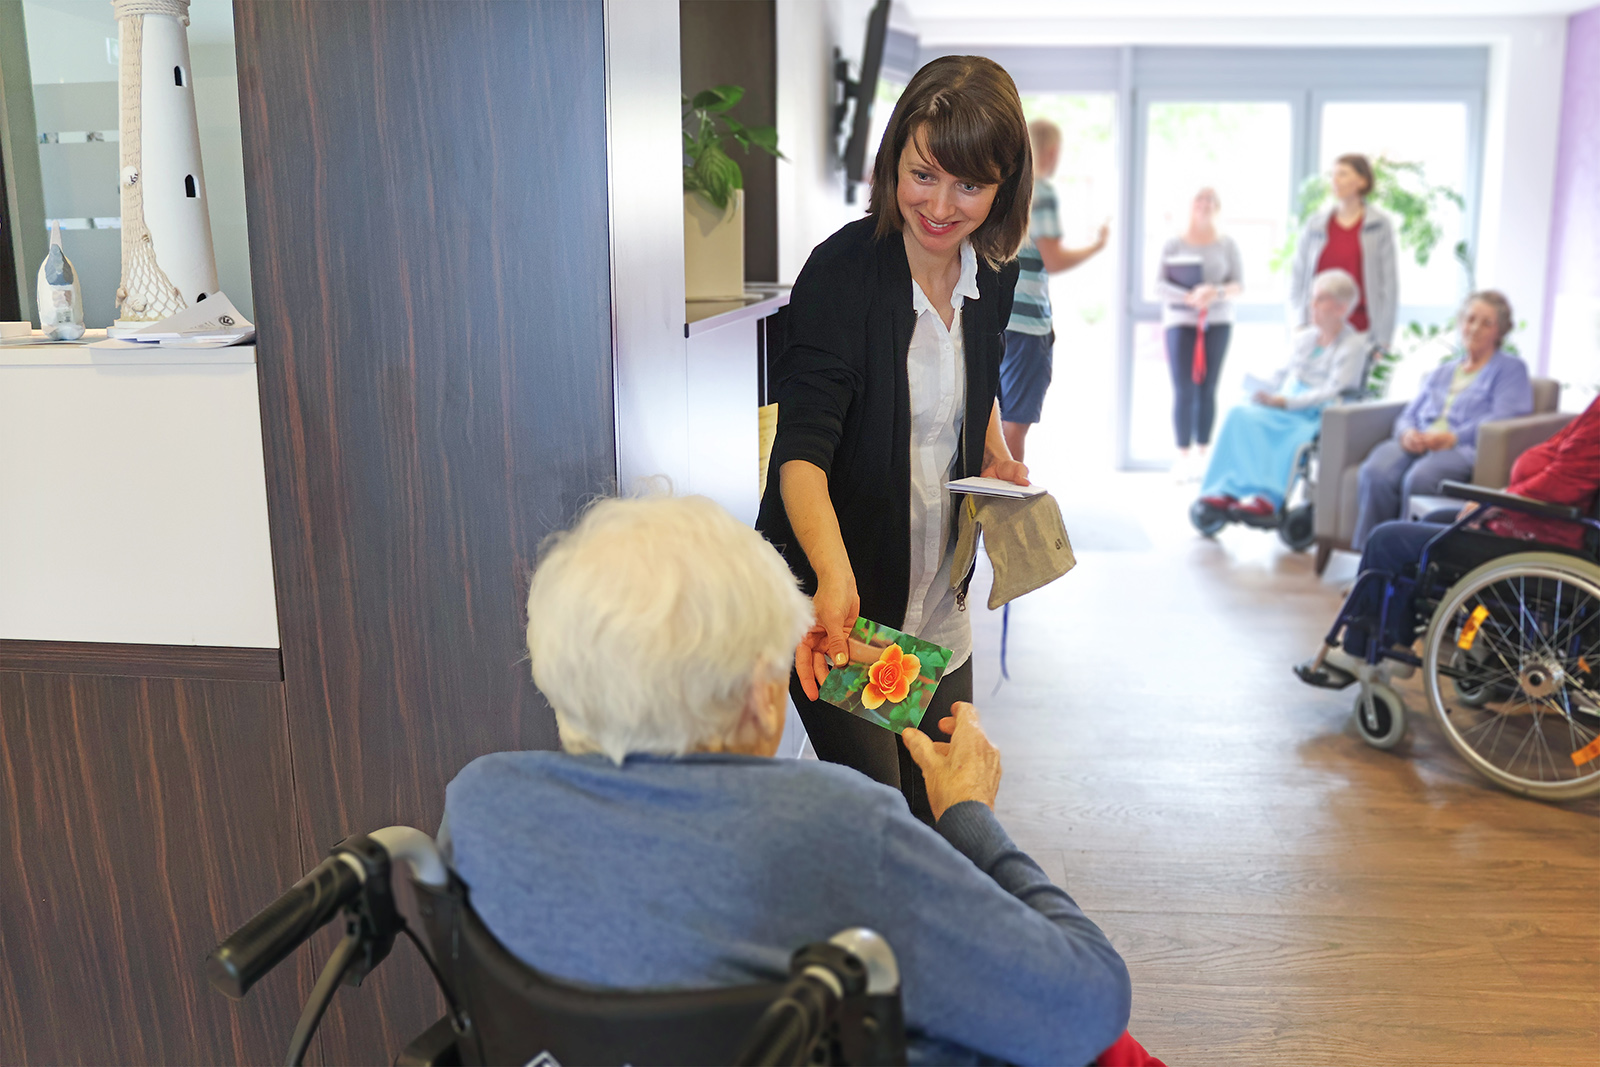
(1282, 892)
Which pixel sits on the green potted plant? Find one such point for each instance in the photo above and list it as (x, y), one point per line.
(713, 192)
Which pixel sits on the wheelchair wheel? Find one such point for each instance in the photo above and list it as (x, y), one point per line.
(1469, 695)
(1296, 530)
(1470, 687)
(1207, 519)
(1525, 709)
(1379, 716)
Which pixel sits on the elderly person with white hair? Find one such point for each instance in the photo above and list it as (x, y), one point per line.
(666, 849)
(1251, 463)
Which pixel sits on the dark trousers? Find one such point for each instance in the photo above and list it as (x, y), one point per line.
(840, 737)
(1194, 405)
(1394, 550)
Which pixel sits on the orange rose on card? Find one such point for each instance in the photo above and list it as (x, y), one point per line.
(891, 676)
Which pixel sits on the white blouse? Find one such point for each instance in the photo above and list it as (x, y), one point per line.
(936, 368)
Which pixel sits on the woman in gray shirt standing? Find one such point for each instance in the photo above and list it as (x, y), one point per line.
(1199, 275)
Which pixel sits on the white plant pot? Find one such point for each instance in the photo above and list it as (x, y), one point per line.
(713, 248)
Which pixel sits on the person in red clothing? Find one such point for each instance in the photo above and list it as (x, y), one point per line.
(1565, 470)
(1352, 236)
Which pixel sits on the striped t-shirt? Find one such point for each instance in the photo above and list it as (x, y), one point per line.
(1030, 311)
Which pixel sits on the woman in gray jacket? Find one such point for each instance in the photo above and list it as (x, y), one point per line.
(1355, 237)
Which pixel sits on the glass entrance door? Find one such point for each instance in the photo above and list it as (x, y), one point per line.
(1074, 432)
(1246, 151)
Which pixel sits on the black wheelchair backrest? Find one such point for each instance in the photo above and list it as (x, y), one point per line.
(1358, 391)
(512, 1014)
(840, 1003)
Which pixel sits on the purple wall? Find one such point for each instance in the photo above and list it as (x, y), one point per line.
(1575, 218)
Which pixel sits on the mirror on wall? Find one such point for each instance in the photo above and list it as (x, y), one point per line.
(73, 57)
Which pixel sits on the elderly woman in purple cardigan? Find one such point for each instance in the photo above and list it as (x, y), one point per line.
(1436, 436)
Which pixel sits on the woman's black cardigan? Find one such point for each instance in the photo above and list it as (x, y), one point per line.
(844, 403)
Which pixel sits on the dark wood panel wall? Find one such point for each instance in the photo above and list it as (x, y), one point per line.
(142, 815)
(426, 186)
(429, 247)
(723, 43)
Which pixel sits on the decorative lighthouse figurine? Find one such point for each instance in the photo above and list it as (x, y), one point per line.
(168, 262)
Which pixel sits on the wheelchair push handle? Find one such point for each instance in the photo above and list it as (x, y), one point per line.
(828, 980)
(360, 863)
(282, 926)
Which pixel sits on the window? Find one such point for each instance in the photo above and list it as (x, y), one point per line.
(1087, 185)
(1432, 134)
(1243, 150)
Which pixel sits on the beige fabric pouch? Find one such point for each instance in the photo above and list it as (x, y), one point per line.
(1025, 538)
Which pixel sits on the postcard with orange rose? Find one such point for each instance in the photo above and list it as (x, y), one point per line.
(891, 676)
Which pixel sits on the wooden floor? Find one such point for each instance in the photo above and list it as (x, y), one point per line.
(1282, 892)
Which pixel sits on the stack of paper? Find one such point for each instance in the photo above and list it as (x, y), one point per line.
(992, 487)
(211, 323)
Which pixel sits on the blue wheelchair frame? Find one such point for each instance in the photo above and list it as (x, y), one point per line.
(1399, 587)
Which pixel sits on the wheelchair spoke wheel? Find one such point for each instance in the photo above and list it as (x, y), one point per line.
(1512, 670)
(1479, 681)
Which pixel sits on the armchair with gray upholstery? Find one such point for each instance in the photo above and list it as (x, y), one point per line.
(1350, 431)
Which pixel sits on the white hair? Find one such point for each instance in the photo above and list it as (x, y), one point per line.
(1338, 284)
(651, 619)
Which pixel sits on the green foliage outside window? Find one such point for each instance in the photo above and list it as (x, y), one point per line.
(1402, 189)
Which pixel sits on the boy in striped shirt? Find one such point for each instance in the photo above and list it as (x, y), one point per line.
(1030, 338)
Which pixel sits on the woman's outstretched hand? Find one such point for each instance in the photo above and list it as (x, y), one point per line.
(1007, 470)
(826, 644)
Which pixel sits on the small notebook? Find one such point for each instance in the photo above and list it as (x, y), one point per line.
(1186, 272)
(992, 487)
(891, 676)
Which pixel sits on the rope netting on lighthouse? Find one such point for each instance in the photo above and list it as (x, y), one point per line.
(146, 293)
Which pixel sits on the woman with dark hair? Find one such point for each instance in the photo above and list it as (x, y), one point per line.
(1355, 237)
(887, 390)
(1436, 436)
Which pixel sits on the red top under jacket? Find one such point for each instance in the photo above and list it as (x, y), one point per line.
(1562, 470)
(1343, 251)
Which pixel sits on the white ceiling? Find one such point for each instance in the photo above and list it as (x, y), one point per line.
(924, 11)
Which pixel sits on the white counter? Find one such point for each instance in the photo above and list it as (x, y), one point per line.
(133, 501)
(724, 374)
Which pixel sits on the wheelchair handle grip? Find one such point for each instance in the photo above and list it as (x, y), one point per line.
(792, 1024)
(282, 926)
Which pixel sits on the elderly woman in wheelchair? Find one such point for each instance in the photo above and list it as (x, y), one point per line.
(666, 850)
(1506, 595)
(1261, 453)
